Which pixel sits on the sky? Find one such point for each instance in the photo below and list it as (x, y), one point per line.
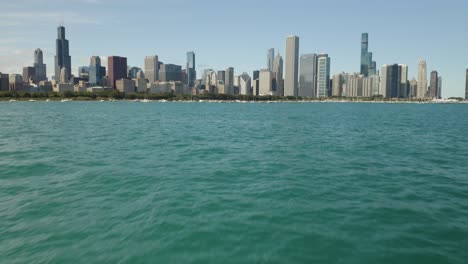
(238, 33)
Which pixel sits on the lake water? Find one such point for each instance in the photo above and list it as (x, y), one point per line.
(91, 182)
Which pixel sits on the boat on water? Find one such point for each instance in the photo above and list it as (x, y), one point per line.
(145, 101)
(102, 101)
(32, 100)
(48, 100)
(12, 100)
(66, 100)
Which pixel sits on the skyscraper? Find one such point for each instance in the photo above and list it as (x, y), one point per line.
(39, 66)
(433, 89)
(307, 75)
(271, 59)
(422, 79)
(292, 65)
(278, 70)
(338, 81)
(439, 88)
(222, 76)
(403, 91)
(62, 57)
(170, 72)
(96, 71)
(117, 68)
(413, 88)
(466, 86)
(152, 68)
(323, 75)
(394, 82)
(229, 81)
(368, 66)
(266, 82)
(4, 82)
(191, 70)
(245, 84)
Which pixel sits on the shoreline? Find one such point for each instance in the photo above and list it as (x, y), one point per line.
(106, 100)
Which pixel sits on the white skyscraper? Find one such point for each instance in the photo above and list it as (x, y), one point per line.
(422, 79)
(151, 68)
(292, 66)
(323, 75)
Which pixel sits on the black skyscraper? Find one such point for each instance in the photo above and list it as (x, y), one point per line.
(62, 57)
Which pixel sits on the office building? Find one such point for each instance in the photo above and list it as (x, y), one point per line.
(191, 70)
(271, 59)
(371, 86)
(62, 57)
(132, 72)
(245, 84)
(434, 85)
(292, 66)
(394, 82)
(229, 81)
(39, 66)
(337, 87)
(15, 83)
(222, 76)
(117, 68)
(307, 75)
(255, 75)
(278, 70)
(267, 82)
(28, 74)
(140, 82)
(152, 68)
(323, 75)
(413, 87)
(96, 71)
(125, 86)
(403, 90)
(170, 72)
(368, 66)
(4, 82)
(439, 88)
(422, 79)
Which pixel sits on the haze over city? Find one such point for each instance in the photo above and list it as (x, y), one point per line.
(237, 34)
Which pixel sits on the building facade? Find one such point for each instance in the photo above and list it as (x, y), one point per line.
(152, 68)
(191, 69)
(271, 59)
(229, 81)
(368, 66)
(96, 71)
(39, 66)
(422, 79)
(62, 57)
(117, 67)
(4, 82)
(245, 84)
(29, 74)
(434, 85)
(125, 86)
(337, 85)
(323, 75)
(308, 75)
(267, 82)
(278, 70)
(170, 73)
(291, 67)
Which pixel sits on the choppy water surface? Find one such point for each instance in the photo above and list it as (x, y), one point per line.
(233, 183)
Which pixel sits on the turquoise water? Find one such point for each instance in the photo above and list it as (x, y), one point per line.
(126, 182)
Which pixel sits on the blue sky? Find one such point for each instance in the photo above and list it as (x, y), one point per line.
(238, 33)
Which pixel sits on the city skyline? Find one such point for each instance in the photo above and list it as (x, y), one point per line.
(342, 45)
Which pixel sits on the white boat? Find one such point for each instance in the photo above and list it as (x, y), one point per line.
(48, 100)
(66, 100)
(145, 101)
(31, 100)
(102, 101)
(12, 100)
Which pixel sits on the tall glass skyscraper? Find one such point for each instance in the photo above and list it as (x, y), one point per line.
(96, 71)
(39, 66)
(323, 75)
(308, 75)
(191, 70)
(271, 59)
(62, 57)
(368, 66)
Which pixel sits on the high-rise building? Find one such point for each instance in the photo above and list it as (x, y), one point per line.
(434, 86)
(117, 68)
(28, 74)
(4, 82)
(439, 88)
(96, 71)
(413, 88)
(271, 59)
(394, 82)
(229, 81)
(39, 66)
(323, 75)
(292, 66)
(133, 72)
(267, 82)
(307, 75)
(245, 84)
(222, 76)
(170, 72)
(278, 70)
(15, 83)
(255, 75)
(62, 57)
(337, 87)
(191, 70)
(152, 68)
(368, 66)
(466, 86)
(422, 79)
